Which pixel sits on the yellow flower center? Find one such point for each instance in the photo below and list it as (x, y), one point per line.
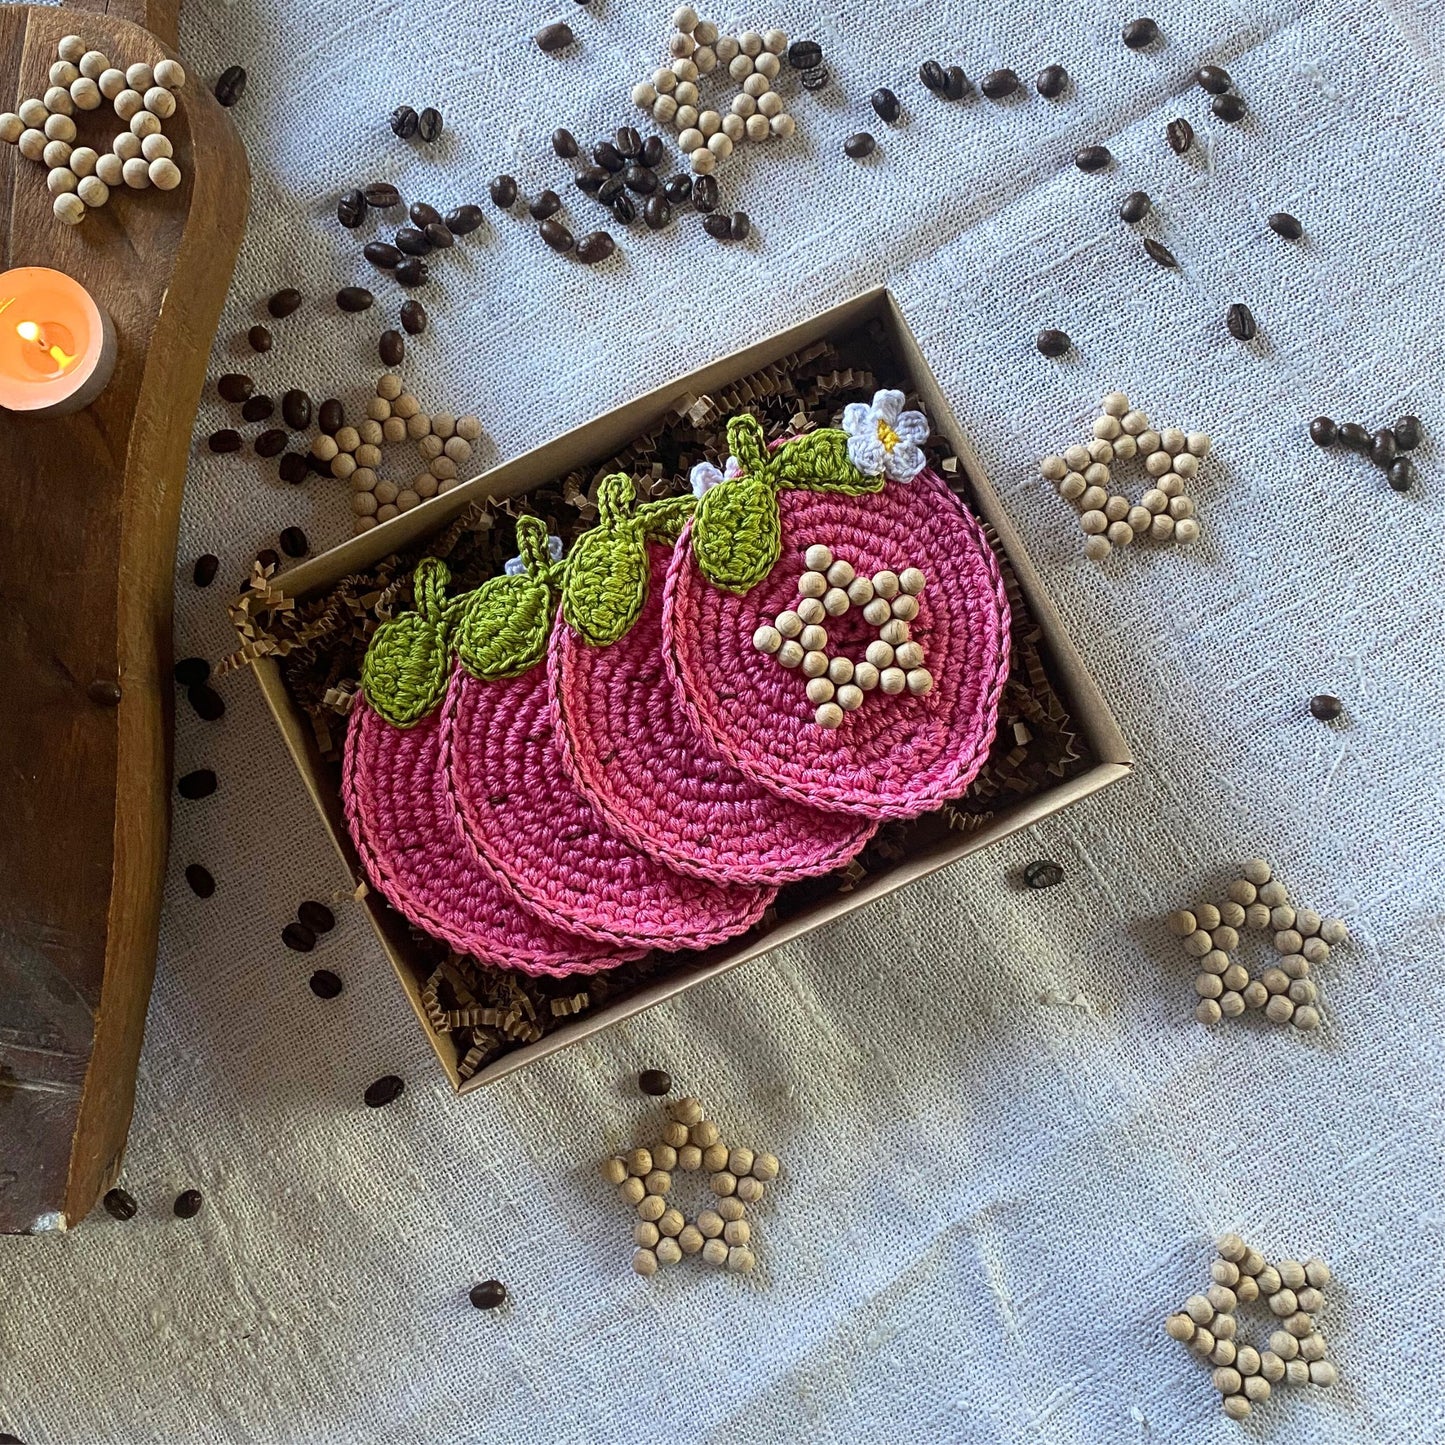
(887, 435)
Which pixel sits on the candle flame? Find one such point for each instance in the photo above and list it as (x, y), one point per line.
(29, 331)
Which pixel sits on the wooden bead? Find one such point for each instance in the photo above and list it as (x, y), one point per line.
(865, 676)
(1306, 1017)
(818, 557)
(895, 632)
(740, 1260)
(908, 655)
(1272, 893)
(1257, 871)
(715, 1157)
(710, 1223)
(1312, 1347)
(645, 1234)
(1208, 916)
(737, 1232)
(912, 581)
(790, 654)
(1198, 1308)
(885, 585)
(1198, 943)
(644, 1262)
(689, 1239)
(1224, 1350)
(1323, 1373)
(56, 156)
(1208, 986)
(671, 1223)
(1236, 976)
(639, 1162)
(169, 73)
(1257, 1389)
(750, 1190)
(85, 94)
(815, 664)
(769, 640)
(1271, 1367)
(1221, 1298)
(1284, 1344)
(905, 607)
(1224, 1271)
(715, 1252)
(1181, 923)
(1224, 1326)
(1215, 961)
(658, 1181)
(1317, 1272)
(836, 602)
(1179, 1327)
(1225, 937)
(614, 1170)
(689, 1158)
(840, 670)
(110, 169)
(1247, 1360)
(766, 1166)
(1287, 940)
(651, 1207)
(68, 208)
(1231, 1003)
(668, 1251)
(1116, 508)
(1315, 950)
(840, 573)
(880, 654)
(137, 176)
(60, 127)
(815, 639)
(160, 102)
(632, 1188)
(860, 592)
(1232, 1248)
(1094, 523)
(850, 698)
(703, 1133)
(1257, 915)
(157, 147)
(1231, 915)
(810, 611)
(724, 1182)
(812, 584)
(1226, 1380)
(1203, 1342)
(820, 690)
(1283, 1303)
(1279, 1009)
(1247, 1289)
(892, 681)
(1333, 931)
(1310, 1299)
(1207, 1011)
(730, 1208)
(1254, 994)
(1237, 1407)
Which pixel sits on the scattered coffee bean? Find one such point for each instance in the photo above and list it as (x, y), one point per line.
(316, 916)
(678, 188)
(208, 703)
(325, 984)
(1135, 206)
(805, 55)
(381, 196)
(1180, 135)
(104, 692)
(119, 1203)
(624, 208)
(932, 74)
(202, 884)
(384, 1091)
(438, 237)
(188, 1204)
(228, 439)
(1240, 321)
(655, 1082)
(1139, 33)
(412, 242)
(859, 145)
(331, 416)
(412, 272)
(1407, 433)
(564, 143)
(503, 191)
(998, 84)
(391, 348)
(1050, 81)
(1352, 435)
(1215, 80)
(816, 78)
(198, 784)
(639, 180)
(464, 220)
(284, 302)
(1325, 707)
(653, 152)
(955, 83)
(204, 572)
(556, 235)
(595, 246)
(885, 104)
(1322, 432)
(293, 542)
(552, 38)
(1284, 224)
(718, 225)
(1093, 158)
(1228, 107)
(294, 468)
(257, 408)
(234, 386)
(1383, 447)
(191, 671)
(610, 189)
(657, 213)
(591, 179)
(230, 85)
(413, 318)
(1043, 873)
(546, 203)
(606, 155)
(354, 298)
(403, 122)
(705, 193)
(739, 227)
(628, 141)
(259, 339)
(296, 409)
(1158, 251)
(1402, 474)
(423, 215)
(1053, 342)
(382, 254)
(298, 938)
(429, 124)
(351, 209)
(490, 1294)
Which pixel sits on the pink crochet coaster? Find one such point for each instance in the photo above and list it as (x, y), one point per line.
(540, 837)
(887, 753)
(630, 749)
(400, 815)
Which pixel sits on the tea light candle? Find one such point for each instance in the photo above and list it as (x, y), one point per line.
(57, 347)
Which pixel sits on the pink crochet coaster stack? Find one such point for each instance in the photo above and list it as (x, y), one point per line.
(631, 751)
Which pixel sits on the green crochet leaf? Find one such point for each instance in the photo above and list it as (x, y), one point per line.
(404, 673)
(818, 461)
(501, 628)
(606, 579)
(748, 444)
(737, 536)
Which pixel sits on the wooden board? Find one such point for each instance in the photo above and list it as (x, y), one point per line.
(87, 548)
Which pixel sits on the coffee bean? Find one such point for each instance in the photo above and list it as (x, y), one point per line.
(1053, 342)
(325, 984)
(257, 408)
(1325, 707)
(382, 254)
(718, 225)
(104, 692)
(490, 1294)
(234, 386)
(657, 213)
(198, 784)
(1139, 33)
(503, 190)
(551, 38)
(438, 237)
(191, 671)
(1240, 321)
(955, 83)
(628, 141)
(293, 542)
(590, 179)
(403, 122)
(1402, 474)
(625, 209)
(1043, 873)
(381, 196)
(1352, 435)
(885, 104)
(1158, 251)
(188, 1204)
(1407, 433)
(1135, 206)
(208, 703)
(271, 443)
(1180, 135)
(284, 302)
(384, 1091)
(423, 215)
(230, 85)
(815, 79)
(316, 916)
(859, 145)
(1093, 158)
(204, 572)
(705, 193)
(200, 880)
(652, 152)
(294, 468)
(678, 188)
(391, 348)
(298, 938)
(1383, 447)
(331, 416)
(594, 247)
(564, 143)
(1284, 224)
(412, 242)
(639, 180)
(296, 409)
(739, 227)
(228, 439)
(1050, 81)
(608, 156)
(556, 235)
(1228, 107)
(1213, 79)
(655, 1082)
(413, 318)
(1322, 432)
(463, 221)
(412, 272)
(119, 1204)
(354, 298)
(351, 209)
(429, 124)
(259, 339)
(932, 74)
(546, 203)
(610, 189)
(999, 83)
(805, 54)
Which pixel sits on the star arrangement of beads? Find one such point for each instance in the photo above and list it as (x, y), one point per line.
(1258, 901)
(444, 443)
(756, 113)
(81, 178)
(1083, 475)
(1243, 1375)
(663, 1235)
(830, 587)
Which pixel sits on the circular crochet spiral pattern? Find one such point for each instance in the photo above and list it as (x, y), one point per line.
(401, 819)
(629, 748)
(895, 757)
(541, 838)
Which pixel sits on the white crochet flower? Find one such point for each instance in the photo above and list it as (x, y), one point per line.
(705, 475)
(885, 438)
(513, 566)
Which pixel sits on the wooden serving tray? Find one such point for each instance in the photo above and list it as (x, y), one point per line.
(87, 551)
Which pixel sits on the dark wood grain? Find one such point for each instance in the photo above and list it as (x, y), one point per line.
(86, 557)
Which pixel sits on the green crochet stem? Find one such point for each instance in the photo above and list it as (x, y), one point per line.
(405, 669)
(501, 630)
(737, 537)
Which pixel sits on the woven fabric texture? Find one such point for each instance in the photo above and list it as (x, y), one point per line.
(1006, 1143)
